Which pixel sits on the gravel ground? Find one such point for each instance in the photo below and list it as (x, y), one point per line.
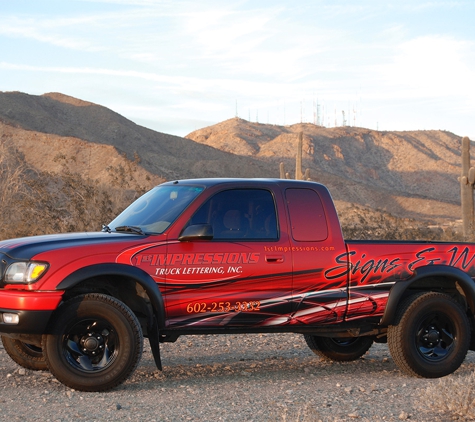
(260, 377)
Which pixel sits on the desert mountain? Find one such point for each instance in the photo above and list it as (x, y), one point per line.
(64, 118)
(409, 174)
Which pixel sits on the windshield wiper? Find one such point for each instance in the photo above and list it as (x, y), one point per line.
(106, 228)
(129, 229)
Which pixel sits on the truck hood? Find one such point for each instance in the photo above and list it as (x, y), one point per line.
(26, 247)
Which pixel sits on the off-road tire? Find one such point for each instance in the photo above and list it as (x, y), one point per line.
(95, 343)
(431, 335)
(26, 355)
(339, 349)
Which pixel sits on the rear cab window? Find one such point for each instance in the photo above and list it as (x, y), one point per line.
(307, 216)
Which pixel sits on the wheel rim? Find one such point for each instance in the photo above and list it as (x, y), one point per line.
(435, 337)
(32, 350)
(91, 345)
(345, 341)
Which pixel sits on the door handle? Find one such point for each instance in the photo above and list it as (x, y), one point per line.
(275, 259)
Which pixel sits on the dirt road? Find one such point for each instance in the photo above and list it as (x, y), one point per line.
(260, 377)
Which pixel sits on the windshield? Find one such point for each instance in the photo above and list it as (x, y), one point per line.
(156, 210)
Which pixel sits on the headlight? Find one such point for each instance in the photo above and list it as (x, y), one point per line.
(25, 272)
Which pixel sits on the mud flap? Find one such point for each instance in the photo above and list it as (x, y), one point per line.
(153, 338)
(472, 330)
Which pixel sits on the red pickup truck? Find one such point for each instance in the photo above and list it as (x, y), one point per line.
(217, 256)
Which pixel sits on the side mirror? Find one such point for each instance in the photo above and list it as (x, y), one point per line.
(197, 232)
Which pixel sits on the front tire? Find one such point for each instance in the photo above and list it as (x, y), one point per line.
(431, 335)
(96, 343)
(24, 354)
(343, 349)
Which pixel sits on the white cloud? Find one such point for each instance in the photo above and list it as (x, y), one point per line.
(431, 66)
(88, 31)
(130, 2)
(44, 32)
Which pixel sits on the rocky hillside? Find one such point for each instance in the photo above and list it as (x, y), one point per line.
(409, 174)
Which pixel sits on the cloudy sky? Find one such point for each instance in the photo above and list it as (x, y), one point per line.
(180, 65)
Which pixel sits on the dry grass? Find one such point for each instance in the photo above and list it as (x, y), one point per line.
(453, 396)
(302, 413)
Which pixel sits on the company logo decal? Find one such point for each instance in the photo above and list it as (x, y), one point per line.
(197, 263)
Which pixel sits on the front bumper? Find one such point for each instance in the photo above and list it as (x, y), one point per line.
(33, 309)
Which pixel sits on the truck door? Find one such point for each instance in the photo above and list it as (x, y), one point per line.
(242, 276)
(319, 286)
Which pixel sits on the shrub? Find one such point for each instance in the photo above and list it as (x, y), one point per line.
(34, 202)
(367, 224)
(452, 395)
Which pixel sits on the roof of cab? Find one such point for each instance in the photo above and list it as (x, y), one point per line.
(236, 181)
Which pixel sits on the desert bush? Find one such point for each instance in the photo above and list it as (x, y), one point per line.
(12, 189)
(454, 396)
(11, 171)
(364, 224)
(34, 202)
(122, 175)
(68, 202)
(300, 412)
(65, 203)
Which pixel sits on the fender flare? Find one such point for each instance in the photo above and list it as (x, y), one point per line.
(121, 270)
(396, 293)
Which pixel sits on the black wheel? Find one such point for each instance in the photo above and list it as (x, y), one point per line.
(27, 355)
(95, 343)
(431, 335)
(340, 349)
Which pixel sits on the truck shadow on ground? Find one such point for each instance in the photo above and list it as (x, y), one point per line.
(246, 368)
(219, 366)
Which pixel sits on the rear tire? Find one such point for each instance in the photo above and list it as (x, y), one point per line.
(342, 349)
(26, 355)
(431, 335)
(96, 343)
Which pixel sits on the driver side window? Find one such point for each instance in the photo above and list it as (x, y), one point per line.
(239, 214)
